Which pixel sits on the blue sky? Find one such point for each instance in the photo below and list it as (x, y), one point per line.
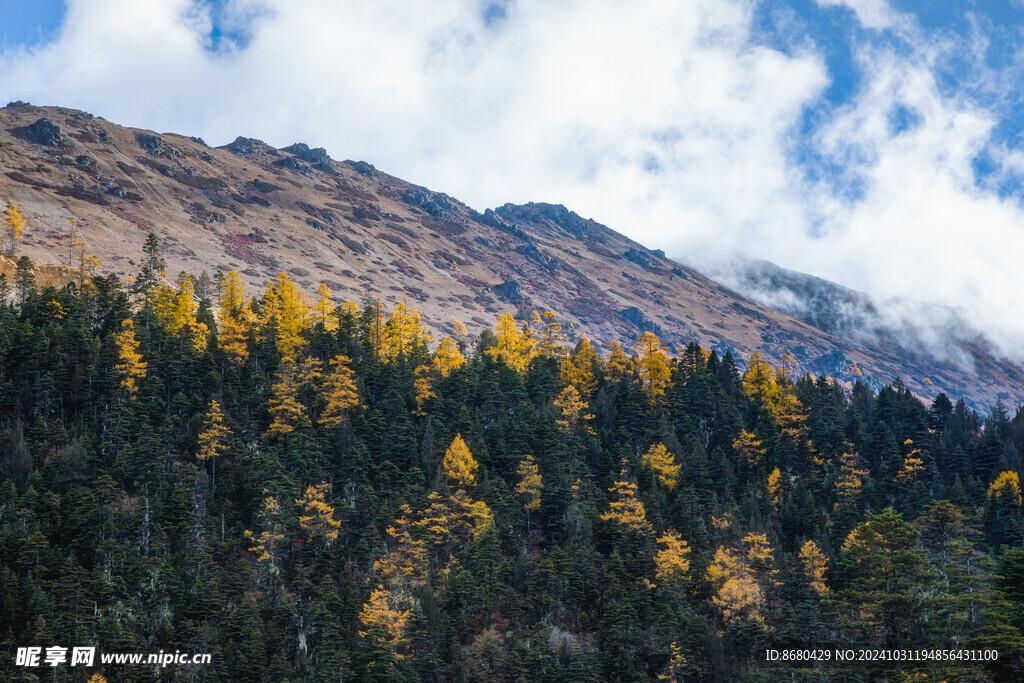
(877, 143)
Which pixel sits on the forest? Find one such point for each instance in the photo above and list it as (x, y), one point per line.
(312, 490)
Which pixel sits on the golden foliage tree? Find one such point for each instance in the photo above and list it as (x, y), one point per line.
(676, 664)
(581, 368)
(619, 365)
(529, 486)
(662, 463)
(737, 594)
(447, 358)
(775, 487)
(850, 479)
(459, 328)
(286, 316)
(388, 610)
(403, 333)
(232, 318)
(627, 510)
(913, 465)
(286, 411)
(14, 228)
(458, 465)
(323, 309)
(265, 543)
(213, 438)
(318, 517)
(748, 446)
(1006, 487)
(672, 560)
(423, 389)
(813, 565)
(652, 365)
(130, 366)
(513, 346)
(551, 336)
(340, 392)
(574, 412)
(405, 563)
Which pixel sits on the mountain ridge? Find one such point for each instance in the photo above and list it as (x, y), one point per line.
(259, 210)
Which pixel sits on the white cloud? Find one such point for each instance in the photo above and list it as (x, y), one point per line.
(667, 121)
(874, 14)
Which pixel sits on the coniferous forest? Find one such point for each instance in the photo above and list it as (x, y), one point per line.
(319, 491)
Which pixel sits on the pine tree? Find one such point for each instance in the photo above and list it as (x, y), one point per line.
(423, 389)
(270, 536)
(813, 565)
(529, 486)
(286, 411)
(574, 412)
(458, 465)
(619, 366)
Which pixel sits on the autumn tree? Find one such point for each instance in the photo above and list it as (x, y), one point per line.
(404, 333)
(1006, 487)
(423, 389)
(317, 516)
(672, 560)
(653, 365)
(529, 486)
(775, 487)
(447, 358)
(340, 392)
(513, 346)
(813, 565)
(213, 438)
(626, 509)
(233, 318)
(749, 447)
(551, 336)
(270, 534)
(458, 465)
(286, 411)
(14, 228)
(581, 368)
(130, 366)
(573, 409)
(662, 464)
(286, 316)
(619, 365)
(323, 309)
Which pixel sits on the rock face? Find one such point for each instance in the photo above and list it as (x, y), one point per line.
(151, 143)
(437, 204)
(510, 290)
(45, 132)
(362, 168)
(637, 317)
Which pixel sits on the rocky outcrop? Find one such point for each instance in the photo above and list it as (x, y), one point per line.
(45, 132)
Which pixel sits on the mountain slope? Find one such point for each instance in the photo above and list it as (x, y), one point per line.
(261, 210)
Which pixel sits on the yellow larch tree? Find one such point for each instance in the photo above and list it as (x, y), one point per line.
(672, 560)
(286, 315)
(447, 358)
(513, 346)
(213, 438)
(423, 389)
(627, 510)
(581, 367)
(183, 322)
(458, 465)
(232, 318)
(749, 447)
(1006, 487)
(388, 610)
(323, 309)
(652, 365)
(340, 392)
(737, 594)
(286, 411)
(574, 413)
(130, 366)
(813, 565)
(662, 464)
(403, 333)
(676, 664)
(529, 486)
(266, 541)
(619, 365)
(318, 517)
(759, 381)
(14, 228)
(850, 479)
(551, 337)
(405, 563)
(775, 487)
(913, 465)
(97, 678)
(459, 328)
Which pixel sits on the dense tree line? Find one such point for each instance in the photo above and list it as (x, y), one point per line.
(322, 492)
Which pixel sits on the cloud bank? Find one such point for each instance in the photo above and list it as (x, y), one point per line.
(684, 125)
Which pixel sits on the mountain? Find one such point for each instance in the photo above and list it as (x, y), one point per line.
(260, 210)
